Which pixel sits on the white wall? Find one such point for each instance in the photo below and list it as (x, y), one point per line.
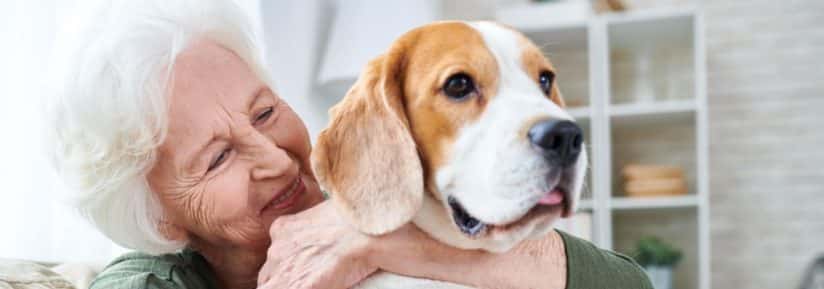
(295, 34)
(34, 221)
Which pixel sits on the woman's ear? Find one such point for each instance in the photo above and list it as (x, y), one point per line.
(366, 158)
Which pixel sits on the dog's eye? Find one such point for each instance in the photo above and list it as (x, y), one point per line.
(459, 86)
(545, 79)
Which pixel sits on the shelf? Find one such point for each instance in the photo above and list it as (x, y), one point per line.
(631, 203)
(653, 108)
(678, 227)
(635, 82)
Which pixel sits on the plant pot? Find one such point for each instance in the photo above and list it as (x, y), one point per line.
(661, 276)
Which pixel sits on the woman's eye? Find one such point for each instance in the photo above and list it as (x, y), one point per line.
(458, 86)
(219, 159)
(263, 116)
(545, 79)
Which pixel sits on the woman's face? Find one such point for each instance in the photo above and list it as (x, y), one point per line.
(235, 158)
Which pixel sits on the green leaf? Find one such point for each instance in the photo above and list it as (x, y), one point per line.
(652, 251)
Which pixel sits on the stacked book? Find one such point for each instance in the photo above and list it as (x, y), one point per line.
(653, 180)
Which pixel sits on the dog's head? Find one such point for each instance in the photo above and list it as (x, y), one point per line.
(459, 127)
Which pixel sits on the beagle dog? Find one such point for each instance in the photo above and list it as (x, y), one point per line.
(459, 128)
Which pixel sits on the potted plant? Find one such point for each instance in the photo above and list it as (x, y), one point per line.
(658, 259)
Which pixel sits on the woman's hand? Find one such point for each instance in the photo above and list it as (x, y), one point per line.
(316, 249)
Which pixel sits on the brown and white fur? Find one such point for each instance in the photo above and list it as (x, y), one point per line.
(397, 149)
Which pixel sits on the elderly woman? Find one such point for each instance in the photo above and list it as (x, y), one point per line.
(170, 132)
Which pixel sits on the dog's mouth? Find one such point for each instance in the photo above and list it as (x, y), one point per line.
(556, 198)
(468, 224)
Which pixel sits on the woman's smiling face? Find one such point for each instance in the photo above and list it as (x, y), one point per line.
(235, 157)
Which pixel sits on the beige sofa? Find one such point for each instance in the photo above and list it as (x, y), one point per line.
(19, 274)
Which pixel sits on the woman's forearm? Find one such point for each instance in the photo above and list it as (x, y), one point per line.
(536, 264)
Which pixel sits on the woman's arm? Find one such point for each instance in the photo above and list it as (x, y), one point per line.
(317, 249)
(556, 261)
(532, 264)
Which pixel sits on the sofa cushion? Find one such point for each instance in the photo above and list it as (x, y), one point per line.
(80, 274)
(17, 274)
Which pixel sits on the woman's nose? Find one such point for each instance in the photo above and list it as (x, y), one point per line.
(270, 160)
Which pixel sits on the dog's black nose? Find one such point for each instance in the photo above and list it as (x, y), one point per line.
(559, 141)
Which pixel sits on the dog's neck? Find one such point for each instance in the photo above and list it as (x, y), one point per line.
(434, 219)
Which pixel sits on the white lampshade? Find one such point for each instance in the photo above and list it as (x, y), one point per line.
(363, 29)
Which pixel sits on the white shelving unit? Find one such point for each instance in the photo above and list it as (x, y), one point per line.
(595, 74)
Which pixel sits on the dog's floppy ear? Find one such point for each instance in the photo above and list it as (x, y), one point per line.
(366, 158)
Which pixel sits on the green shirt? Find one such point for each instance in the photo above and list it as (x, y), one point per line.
(183, 270)
(587, 268)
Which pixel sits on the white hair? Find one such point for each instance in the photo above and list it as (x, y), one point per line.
(110, 114)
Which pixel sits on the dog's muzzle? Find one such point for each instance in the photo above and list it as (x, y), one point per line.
(558, 141)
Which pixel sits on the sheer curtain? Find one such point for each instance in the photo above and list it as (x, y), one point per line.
(35, 221)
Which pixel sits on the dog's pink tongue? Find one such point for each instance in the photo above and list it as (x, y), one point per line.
(552, 198)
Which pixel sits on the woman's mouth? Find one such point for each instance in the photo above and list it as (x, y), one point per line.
(286, 197)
